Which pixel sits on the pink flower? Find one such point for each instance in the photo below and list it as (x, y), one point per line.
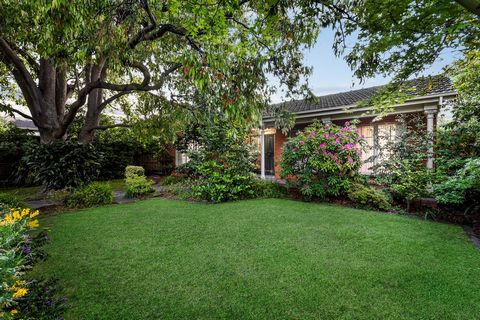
(326, 135)
(305, 186)
(337, 141)
(323, 145)
(312, 134)
(302, 142)
(362, 136)
(357, 130)
(347, 124)
(350, 160)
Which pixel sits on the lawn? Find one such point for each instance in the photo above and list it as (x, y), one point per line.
(260, 259)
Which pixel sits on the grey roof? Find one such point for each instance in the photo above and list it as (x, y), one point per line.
(417, 87)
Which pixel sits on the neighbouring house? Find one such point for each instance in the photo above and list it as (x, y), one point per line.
(428, 95)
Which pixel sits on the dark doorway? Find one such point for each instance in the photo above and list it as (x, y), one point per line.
(270, 154)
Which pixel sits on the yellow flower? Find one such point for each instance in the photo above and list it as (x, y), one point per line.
(34, 214)
(9, 219)
(20, 293)
(17, 215)
(33, 224)
(13, 312)
(25, 212)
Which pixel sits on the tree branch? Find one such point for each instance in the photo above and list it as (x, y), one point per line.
(9, 108)
(24, 79)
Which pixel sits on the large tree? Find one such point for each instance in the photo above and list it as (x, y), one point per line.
(62, 58)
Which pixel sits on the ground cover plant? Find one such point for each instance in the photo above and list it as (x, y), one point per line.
(93, 194)
(259, 259)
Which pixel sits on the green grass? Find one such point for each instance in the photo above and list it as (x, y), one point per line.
(260, 259)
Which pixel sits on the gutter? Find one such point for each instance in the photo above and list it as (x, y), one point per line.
(434, 98)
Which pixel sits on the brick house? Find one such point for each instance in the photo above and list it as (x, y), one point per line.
(427, 96)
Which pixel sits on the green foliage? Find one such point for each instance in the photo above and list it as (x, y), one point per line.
(172, 179)
(10, 200)
(132, 171)
(118, 147)
(220, 160)
(44, 301)
(399, 38)
(269, 189)
(368, 198)
(138, 186)
(218, 182)
(209, 54)
(93, 194)
(12, 142)
(181, 190)
(465, 75)
(455, 189)
(323, 160)
(400, 163)
(60, 165)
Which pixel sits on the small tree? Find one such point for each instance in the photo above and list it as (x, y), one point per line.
(323, 160)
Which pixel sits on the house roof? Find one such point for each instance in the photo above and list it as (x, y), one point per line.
(417, 87)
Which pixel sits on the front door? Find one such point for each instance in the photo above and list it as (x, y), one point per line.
(269, 154)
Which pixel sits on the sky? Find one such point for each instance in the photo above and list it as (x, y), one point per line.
(332, 75)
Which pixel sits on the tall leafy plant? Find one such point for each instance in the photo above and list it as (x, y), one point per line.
(221, 162)
(62, 165)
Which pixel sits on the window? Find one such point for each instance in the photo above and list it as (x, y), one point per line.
(377, 136)
(182, 158)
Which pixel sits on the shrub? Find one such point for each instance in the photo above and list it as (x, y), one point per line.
(93, 194)
(455, 190)
(10, 201)
(368, 198)
(269, 189)
(412, 181)
(131, 171)
(172, 179)
(138, 186)
(181, 190)
(323, 160)
(60, 165)
(222, 164)
(218, 183)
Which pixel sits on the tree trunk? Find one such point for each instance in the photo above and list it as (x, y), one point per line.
(95, 98)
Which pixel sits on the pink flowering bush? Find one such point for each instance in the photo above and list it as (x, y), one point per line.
(323, 160)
